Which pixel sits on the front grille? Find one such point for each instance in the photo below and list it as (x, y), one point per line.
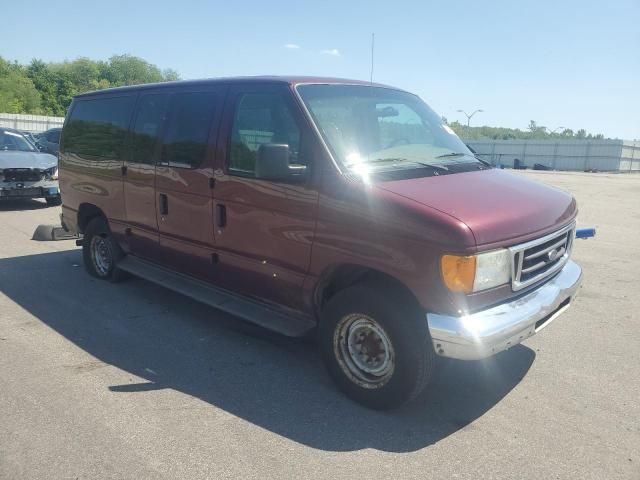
(22, 175)
(533, 261)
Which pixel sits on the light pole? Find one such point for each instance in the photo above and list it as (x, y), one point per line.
(556, 129)
(469, 116)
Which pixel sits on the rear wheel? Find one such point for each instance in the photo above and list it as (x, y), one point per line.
(376, 346)
(101, 252)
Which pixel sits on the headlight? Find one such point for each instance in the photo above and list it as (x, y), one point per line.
(53, 173)
(474, 273)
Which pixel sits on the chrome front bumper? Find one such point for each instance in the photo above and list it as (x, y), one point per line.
(485, 333)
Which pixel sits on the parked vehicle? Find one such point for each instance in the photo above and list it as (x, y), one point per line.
(32, 138)
(50, 140)
(319, 205)
(25, 172)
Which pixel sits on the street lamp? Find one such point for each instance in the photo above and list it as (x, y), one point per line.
(556, 129)
(469, 116)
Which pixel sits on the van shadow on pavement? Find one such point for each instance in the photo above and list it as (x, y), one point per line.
(277, 383)
(21, 204)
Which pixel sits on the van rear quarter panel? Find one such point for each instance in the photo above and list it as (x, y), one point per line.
(91, 180)
(96, 182)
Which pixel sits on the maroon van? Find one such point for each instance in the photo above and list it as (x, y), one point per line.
(331, 206)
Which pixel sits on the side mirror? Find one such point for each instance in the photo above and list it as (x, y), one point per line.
(272, 163)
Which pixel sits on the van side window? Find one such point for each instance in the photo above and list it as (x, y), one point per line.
(185, 139)
(152, 110)
(97, 127)
(261, 118)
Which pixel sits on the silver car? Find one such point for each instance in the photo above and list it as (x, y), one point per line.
(25, 172)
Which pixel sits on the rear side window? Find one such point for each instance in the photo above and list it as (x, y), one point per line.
(150, 116)
(97, 127)
(185, 140)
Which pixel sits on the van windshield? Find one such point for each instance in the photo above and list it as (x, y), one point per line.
(372, 130)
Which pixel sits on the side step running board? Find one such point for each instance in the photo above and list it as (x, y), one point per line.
(251, 311)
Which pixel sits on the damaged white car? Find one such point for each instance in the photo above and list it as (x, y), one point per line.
(25, 171)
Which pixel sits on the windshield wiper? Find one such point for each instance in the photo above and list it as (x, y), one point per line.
(400, 159)
(432, 165)
(453, 154)
(462, 154)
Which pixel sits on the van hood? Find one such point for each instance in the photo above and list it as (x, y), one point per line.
(497, 206)
(17, 159)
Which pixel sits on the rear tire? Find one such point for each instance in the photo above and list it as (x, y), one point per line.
(101, 252)
(376, 346)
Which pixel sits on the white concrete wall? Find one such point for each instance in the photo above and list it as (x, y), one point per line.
(579, 155)
(630, 160)
(31, 123)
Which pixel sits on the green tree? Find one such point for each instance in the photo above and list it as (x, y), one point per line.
(54, 86)
(7, 67)
(18, 94)
(49, 87)
(130, 70)
(170, 75)
(534, 131)
(537, 131)
(83, 73)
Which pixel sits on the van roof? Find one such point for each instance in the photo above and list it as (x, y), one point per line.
(289, 80)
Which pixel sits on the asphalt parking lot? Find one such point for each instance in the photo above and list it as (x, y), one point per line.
(101, 380)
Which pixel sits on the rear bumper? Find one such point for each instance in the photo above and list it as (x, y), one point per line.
(68, 220)
(487, 332)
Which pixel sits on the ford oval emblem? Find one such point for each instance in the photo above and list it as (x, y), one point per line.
(552, 255)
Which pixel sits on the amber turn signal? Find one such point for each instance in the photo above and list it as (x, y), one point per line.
(458, 272)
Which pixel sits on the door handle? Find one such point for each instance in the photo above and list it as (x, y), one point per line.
(164, 204)
(221, 215)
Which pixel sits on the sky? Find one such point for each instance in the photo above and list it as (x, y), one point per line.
(574, 64)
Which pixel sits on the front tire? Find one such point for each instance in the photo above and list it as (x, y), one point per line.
(100, 251)
(376, 345)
